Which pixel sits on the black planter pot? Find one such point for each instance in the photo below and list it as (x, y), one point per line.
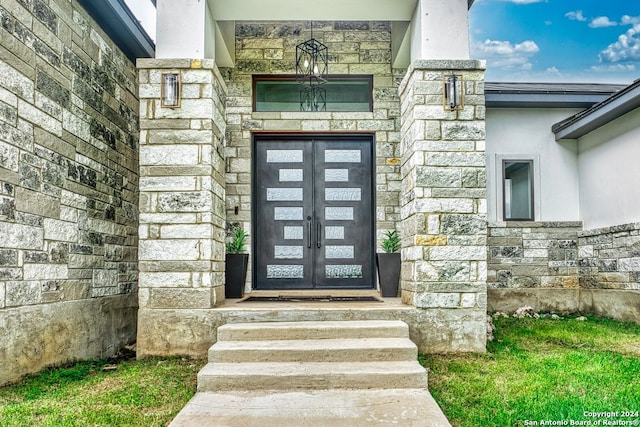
(235, 275)
(388, 273)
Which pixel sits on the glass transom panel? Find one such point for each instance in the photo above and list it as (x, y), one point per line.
(342, 156)
(284, 156)
(288, 252)
(284, 194)
(280, 271)
(336, 175)
(293, 233)
(291, 175)
(339, 252)
(287, 213)
(343, 271)
(338, 213)
(334, 232)
(351, 194)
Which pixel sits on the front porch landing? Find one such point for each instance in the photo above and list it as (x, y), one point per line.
(191, 331)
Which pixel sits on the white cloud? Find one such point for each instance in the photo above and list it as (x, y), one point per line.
(627, 48)
(613, 68)
(504, 54)
(553, 71)
(630, 20)
(602, 22)
(575, 16)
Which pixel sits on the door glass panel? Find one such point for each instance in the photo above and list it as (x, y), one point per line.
(293, 233)
(336, 175)
(288, 252)
(285, 271)
(284, 156)
(337, 252)
(284, 194)
(287, 214)
(352, 194)
(343, 271)
(338, 213)
(334, 232)
(342, 156)
(291, 175)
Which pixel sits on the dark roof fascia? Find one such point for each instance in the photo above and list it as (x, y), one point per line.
(547, 95)
(471, 3)
(115, 18)
(599, 114)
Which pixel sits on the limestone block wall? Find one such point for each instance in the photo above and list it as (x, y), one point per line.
(609, 257)
(444, 227)
(557, 266)
(68, 188)
(182, 193)
(354, 48)
(533, 254)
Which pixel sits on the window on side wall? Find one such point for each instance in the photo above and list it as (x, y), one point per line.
(347, 93)
(517, 190)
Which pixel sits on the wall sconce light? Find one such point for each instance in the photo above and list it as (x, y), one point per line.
(453, 89)
(170, 96)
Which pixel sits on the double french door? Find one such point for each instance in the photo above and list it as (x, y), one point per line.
(313, 212)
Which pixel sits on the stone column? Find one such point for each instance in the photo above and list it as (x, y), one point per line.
(444, 228)
(182, 208)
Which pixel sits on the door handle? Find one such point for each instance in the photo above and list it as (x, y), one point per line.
(318, 234)
(309, 231)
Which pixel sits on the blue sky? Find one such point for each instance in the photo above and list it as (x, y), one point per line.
(557, 40)
(540, 40)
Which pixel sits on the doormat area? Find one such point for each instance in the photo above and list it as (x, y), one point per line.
(311, 299)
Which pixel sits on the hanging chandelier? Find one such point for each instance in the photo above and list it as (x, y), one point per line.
(312, 72)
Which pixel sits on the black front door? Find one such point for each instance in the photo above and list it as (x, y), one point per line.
(313, 212)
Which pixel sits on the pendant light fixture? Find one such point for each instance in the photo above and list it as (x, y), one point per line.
(312, 72)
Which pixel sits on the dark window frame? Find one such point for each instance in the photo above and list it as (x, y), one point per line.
(256, 78)
(531, 184)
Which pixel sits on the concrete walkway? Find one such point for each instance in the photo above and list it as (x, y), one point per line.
(277, 374)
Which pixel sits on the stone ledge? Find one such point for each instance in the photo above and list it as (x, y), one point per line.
(607, 230)
(52, 334)
(615, 304)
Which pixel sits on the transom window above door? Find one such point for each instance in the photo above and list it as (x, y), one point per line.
(345, 93)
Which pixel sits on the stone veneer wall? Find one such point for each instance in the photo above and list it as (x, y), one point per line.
(354, 48)
(182, 214)
(68, 188)
(555, 266)
(444, 226)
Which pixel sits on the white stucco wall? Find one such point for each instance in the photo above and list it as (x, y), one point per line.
(525, 133)
(440, 30)
(609, 170)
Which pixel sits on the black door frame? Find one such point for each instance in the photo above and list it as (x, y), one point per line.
(303, 136)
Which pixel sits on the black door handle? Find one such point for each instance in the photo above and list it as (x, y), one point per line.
(318, 234)
(309, 231)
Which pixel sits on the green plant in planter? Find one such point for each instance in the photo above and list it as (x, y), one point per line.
(391, 242)
(236, 245)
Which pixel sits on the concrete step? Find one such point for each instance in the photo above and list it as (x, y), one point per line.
(262, 331)
(313, 408)
(324, 350)
(311, 376)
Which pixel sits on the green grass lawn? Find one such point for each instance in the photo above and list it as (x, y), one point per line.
(552, 370)
(139, 393)
(535, 370)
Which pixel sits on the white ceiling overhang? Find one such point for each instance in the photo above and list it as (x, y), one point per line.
(319, 10)
(399, 12)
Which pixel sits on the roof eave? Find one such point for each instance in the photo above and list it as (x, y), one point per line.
(115, 18)
(599, 115)
(542, 100)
